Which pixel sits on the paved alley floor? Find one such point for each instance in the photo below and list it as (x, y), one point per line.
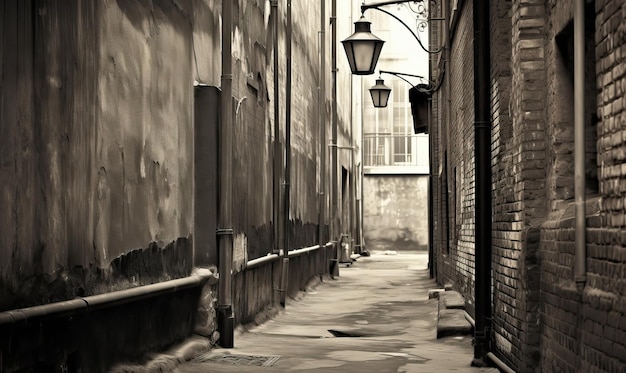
(381, 318)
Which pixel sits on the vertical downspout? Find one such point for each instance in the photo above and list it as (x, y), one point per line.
(443, 137)
(225, 230)
(580, 270)
(333, 136)
(431, 249)
(432, 59)
(286, 204)
(277, 152)
(482, 147)
(278, 159)
(361, 154)
(322, 135)
(352, 189)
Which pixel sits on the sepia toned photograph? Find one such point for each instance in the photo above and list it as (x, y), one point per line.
(367, 186)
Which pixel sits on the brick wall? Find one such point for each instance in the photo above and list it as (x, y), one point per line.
(457, 252)
(437, 68)
(518, 183)
(585, 330)
(505, 219)
(437, 145)
(541, 321)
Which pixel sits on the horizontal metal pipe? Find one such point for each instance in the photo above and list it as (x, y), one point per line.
(499, 363)
(254, 263)
(58, 309)
(490, 355)
(53, 309)
(305, 250)
(142, 292)
(469, 319)
(308, 249)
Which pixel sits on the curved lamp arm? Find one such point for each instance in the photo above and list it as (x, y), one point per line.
(401, 76)
(377, 6)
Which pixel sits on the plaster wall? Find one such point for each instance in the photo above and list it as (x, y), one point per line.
(395, 213)
(97, 143)
(97, 148)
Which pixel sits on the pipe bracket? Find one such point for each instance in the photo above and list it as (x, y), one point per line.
(224, 231)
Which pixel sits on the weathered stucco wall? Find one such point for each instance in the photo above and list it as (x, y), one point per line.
(97, 148)
(253, 91)
(395, 213)
(144, 147)
(97, 140)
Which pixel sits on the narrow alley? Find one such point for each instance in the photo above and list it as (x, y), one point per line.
(382, 318)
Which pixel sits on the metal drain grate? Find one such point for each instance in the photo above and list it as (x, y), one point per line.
(234, 359)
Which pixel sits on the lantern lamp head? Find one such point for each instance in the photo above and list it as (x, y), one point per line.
(380, 93)
(362, 48)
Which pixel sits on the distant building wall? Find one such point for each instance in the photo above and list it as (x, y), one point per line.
(395, 214)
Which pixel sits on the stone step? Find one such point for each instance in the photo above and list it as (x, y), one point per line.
(452, 322)
(451, 300)
(451, 319)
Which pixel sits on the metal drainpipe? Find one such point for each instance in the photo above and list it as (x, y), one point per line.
(482, 146)
(277, 152)
(362, 171)
(105, 300)
(490, 355)
(225, 232)
(580, 269)
(444, 235)
(286, 203)
(352, 190)
(333, 136)
(322, 136)
(431, 252)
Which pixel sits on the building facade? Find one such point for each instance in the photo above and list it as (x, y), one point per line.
(555, 265)
(110, 170)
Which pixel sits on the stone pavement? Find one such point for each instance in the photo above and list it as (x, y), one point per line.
(375, 317)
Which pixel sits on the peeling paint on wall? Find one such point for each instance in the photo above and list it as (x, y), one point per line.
(108, 149)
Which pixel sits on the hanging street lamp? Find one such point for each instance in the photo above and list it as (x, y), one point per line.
(380, 93)
(362, 48)
(418, 96)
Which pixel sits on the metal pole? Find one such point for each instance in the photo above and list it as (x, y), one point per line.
(352, 190)
(225, 232)
(362, 171)
(482, 154)
(333, 136)
(322, 136)
(277, 152)
(431, 249)
(285, 268)
(580, 274)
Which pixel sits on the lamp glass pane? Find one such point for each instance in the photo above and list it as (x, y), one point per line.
(363, 53)
(384, 97)
(375, 93)
(380, 97)
(347, 46)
